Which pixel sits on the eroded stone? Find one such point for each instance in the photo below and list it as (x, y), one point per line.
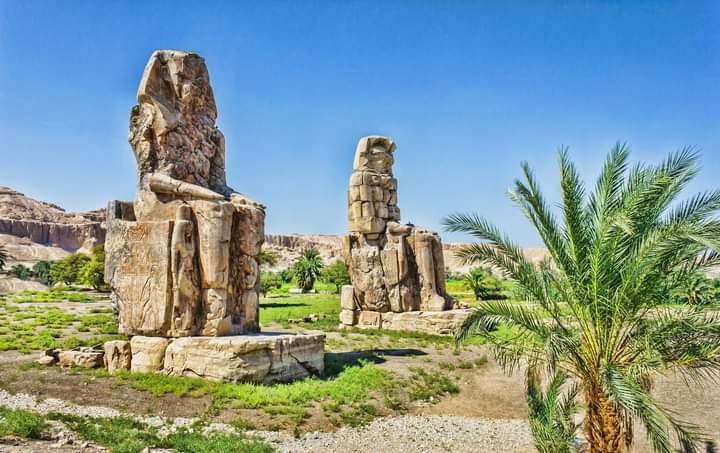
(118, 355)
(148, 353)
(393, 267)
(258, 358)
(82, 357)
(182, 260)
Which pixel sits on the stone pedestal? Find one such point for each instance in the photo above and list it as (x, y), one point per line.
(259, 358)
(429, 322)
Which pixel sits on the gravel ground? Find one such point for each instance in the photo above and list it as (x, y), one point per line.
(407, 434)
(423, 433)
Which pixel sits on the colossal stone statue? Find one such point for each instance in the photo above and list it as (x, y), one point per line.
(394, 267)
(182, 260)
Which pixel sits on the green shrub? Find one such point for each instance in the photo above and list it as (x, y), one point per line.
(21, 423)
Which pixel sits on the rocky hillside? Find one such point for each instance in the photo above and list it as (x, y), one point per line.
(33, 230)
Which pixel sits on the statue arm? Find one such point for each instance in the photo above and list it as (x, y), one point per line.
(397, 228)
(164, 184)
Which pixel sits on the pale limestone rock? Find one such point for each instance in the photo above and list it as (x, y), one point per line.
(118, 355)
(259, 358)
(430, 322)
(370, 319)
(148, 353)
(46, 360)
(347, 298)
(82, 357)
(348, 317)
(394, 268)
(182, 259)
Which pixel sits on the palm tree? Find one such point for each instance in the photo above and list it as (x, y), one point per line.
(308, 269)
(551, 412)
(473, 281)
(696, 290)
(3, 257)
(596, 311)
(483, 284)
(267, 257)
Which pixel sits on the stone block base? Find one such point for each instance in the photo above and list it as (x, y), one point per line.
(259, 358)
(429, 322)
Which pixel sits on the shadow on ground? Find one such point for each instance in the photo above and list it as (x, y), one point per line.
(335, 362)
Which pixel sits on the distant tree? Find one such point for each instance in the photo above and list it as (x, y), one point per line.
(268, 258)
(336, 274)
(3, 257)
(93, 272)
(483, 284)
(285, 275)
(307, 269)
(21, 271)
(68, 269)
(41, 271)
(268, 282)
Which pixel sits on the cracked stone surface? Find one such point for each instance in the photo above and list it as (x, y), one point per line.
(260, 358)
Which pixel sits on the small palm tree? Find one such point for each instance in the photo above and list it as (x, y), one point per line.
(3, 257)
(473, 281)
(308, 269)
(551, 412)
(483, 284)
(695, 290)
(268, 258)
(596, 310)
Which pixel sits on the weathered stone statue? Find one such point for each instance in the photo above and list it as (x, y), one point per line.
(394, 268)
(182, 259)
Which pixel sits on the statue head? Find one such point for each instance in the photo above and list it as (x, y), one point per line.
(375, 153)
(172, 129)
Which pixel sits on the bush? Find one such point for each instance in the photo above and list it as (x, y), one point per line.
(68, 269)
(93, 272)
(483, 284)
(695, 289)
(336, 274)
(22, 272)
(3, 257)
(41, 271)
(269, 281)
(17, 422)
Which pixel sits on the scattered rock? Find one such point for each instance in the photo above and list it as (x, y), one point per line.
(81, 357)
(118, 355)
(46, 360)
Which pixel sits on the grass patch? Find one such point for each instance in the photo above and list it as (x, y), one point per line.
(425, 385)
(127, 435)
(351, 397)
(21, 423)
(278, 310)
(194, 442)
(55, 295)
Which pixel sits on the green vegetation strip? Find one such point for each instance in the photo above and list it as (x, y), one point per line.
(127, 435)
(345, 399)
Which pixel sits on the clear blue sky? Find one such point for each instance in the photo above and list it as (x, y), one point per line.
(467, 89)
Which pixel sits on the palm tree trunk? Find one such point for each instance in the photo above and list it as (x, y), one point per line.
(604, 426)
